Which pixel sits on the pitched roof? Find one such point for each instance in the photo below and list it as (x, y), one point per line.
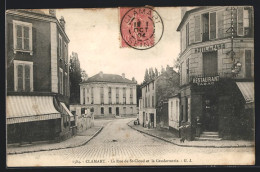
(111, 78)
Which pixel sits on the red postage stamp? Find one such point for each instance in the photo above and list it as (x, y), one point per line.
(141, 28)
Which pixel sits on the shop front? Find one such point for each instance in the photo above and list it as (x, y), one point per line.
(215, 108)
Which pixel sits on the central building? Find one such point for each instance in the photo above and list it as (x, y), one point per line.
(109, 95)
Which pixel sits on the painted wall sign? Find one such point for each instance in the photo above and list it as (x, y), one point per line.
(208, 80)
(210, 48)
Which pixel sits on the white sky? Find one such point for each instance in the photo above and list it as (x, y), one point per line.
(95, 35)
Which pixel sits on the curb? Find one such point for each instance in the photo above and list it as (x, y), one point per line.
(42, 150)
(163, 139)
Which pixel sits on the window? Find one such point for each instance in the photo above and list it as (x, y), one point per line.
(205, 27)
(61, 80)
(23, 76)
(117, 95)
(110, 110)
(187, 35)
(109, 95)
(22, 32)
(60, 46)
(92, 95)
(124, 110)
(244, 27)
(66, 52)
(212, 26)
(83, 95)
(131, 95)
(66, 84)
(171, 108)
(187, 70)
(152, 101)
(102, 95)
(124, 95)
(87, 99)
(102, 110)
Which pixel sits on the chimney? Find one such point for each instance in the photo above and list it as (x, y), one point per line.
(123, 75)
(101, 74)
(52, 12)
(62, 22)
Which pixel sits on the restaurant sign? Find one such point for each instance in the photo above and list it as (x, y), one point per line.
(210, 48)
(207, 80)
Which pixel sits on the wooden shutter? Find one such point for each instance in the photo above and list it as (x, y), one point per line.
(187, 35)
(27, 77)
(19, 37)
(240, 25)
(212, 25)
(248, 63)
(197, 29)
(20, 78)
(220, 21)
(210, 63)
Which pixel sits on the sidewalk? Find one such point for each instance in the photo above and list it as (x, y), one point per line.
(167, 136)
(78, 140)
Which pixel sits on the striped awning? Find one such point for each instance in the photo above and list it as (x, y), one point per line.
(21, 109)
(66, 110)
(247, 90)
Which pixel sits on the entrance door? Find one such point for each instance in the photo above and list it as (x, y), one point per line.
(152, 119)
(117, 111)
(210, 117)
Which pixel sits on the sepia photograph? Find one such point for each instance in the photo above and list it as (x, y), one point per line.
(130, 86)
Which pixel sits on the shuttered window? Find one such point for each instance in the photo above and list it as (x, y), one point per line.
(197, 29)
(23, 79)
(220, 18)
(187, 70)
(210, 63)
(240, 26)
(187, 35)
(212, 25)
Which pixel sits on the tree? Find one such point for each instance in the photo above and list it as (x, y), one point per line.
(162, 70)
(156, 72)
(146, 76)
(75, 78)
(177, 64)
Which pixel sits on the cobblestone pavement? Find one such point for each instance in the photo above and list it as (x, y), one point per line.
(118, 144)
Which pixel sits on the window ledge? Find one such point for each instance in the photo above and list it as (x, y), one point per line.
(24, 51)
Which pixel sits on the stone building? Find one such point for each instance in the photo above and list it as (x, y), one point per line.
(109, 95)
(217, 71)
(37, 76)
(153, 110)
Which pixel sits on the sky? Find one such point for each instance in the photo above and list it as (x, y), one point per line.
(95, 35)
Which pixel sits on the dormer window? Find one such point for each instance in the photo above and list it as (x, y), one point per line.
(22, 32)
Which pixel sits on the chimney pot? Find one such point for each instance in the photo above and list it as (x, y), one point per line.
(52, 12)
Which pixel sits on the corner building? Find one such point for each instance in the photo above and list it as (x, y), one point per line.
(217, 72)
(109, 95)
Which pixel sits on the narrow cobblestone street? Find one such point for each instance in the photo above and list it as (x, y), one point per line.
(118, 144)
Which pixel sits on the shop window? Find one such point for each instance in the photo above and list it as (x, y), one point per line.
(22, 38)
(23, 76)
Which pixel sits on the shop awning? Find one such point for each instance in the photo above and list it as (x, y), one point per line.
(30, 108)
(247, 90)
(67, 111)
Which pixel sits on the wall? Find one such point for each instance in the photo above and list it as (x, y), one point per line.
(174, 113)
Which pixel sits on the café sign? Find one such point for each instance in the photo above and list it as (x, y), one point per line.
(207, 80)
(210, 48)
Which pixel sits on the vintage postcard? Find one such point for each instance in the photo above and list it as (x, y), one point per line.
(130, 86)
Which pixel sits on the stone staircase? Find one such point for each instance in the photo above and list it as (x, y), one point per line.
(209, 136)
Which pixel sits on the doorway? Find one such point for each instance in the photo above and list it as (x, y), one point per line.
(152, 119)
(117, 111)
(210, 115)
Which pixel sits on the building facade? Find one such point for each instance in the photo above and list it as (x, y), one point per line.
(174, 114)
(109, 95)
(217, 71)
(153, 110)
(37, 76)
